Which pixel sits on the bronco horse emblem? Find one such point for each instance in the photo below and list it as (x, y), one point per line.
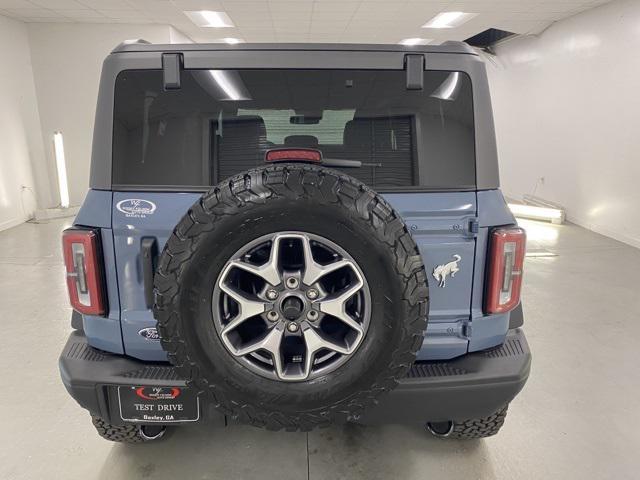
(441, 271)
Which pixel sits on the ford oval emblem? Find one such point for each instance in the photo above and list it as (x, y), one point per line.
(150, 333)
(136, 207)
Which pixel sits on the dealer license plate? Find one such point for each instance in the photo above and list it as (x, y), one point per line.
(158, 404)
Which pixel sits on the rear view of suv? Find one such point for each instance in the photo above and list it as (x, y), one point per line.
(294, 235)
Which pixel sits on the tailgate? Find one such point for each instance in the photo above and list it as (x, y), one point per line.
(439, 223)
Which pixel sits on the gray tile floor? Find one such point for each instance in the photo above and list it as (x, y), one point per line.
(577, 417)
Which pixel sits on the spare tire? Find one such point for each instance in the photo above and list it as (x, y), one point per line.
(291, 296)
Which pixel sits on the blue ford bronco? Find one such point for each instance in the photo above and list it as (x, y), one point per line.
(290, 236)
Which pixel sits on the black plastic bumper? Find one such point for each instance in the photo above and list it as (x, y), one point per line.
(471, 386)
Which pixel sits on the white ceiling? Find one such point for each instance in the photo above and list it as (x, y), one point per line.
(351, 21)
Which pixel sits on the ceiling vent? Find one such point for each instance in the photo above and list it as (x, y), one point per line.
(488, 38)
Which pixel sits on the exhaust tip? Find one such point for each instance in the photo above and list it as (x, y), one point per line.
(440, 429)
(152, 432)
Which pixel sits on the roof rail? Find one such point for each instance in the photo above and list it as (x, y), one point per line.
(142, 46)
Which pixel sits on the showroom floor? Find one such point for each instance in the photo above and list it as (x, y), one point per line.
(576, 418)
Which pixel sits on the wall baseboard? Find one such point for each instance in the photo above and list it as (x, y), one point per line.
(14, 222)
(607, 232)
(594, 227)
(51, 213)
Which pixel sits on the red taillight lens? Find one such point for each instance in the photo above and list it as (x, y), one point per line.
(294, 155)
(81, 249)
(506, 259)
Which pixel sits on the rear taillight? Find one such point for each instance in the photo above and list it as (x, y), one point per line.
(81, 249)
(506, 259)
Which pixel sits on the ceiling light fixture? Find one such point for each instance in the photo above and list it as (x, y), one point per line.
(232, 41)
(553, 215)
(61, 167)
(449, 20)
(415, 41)
(207, 18)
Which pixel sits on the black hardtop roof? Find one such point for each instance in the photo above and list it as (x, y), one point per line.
(143, 46)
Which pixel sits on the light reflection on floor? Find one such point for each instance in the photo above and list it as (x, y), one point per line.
(543, 232)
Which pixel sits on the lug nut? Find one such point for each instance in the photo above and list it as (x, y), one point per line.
(312, 294)
(273, 315)
(272, 294)
(293, 327)
(312, 315)
(292, 282)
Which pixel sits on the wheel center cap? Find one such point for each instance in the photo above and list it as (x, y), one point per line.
(292, 308)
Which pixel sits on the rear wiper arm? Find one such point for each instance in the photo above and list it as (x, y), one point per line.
(341, 162)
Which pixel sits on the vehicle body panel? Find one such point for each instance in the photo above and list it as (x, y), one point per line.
(487, 330)
(104, 333)
(439, 222)
(128, 233)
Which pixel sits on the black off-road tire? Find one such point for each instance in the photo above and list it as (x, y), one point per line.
(475, 428)
(121, 433)
(303, 198)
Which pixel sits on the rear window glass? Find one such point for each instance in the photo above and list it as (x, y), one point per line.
(222, 122)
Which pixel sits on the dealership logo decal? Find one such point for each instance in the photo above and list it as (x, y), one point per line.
(441, 271)
(158, 393)
(150, 333)
(136, 207)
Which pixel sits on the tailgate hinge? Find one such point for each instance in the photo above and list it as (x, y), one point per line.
(466, 330)
(473, 227)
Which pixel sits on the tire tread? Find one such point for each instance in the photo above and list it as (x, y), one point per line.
(479, 427)
(117, 433)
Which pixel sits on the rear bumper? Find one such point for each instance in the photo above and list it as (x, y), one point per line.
(471, 386)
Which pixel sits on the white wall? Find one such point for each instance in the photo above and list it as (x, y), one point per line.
(21, 151)
(67, 60)
(567, 109)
